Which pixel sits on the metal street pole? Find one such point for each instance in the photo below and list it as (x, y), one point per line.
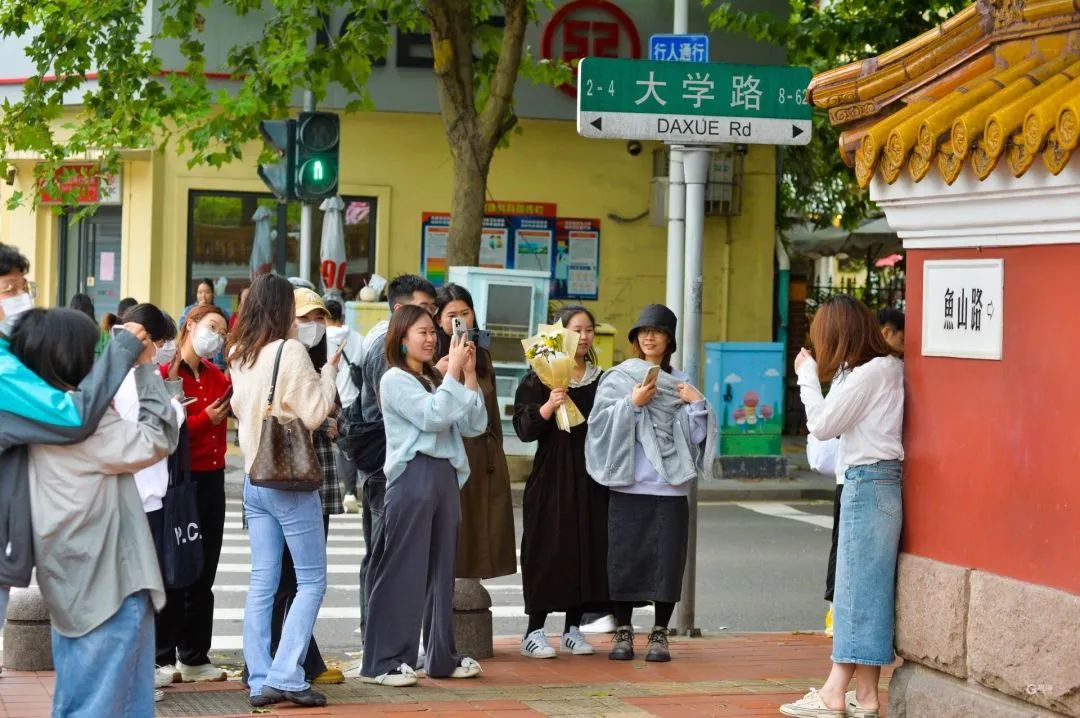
(281, 245)
(307, 212)
(676, 206)
(697, 174)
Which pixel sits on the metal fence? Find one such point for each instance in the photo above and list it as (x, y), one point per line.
(876, 295)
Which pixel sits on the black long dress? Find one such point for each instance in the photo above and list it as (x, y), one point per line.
(564, 538)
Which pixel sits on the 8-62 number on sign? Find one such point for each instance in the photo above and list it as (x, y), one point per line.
(598, 88)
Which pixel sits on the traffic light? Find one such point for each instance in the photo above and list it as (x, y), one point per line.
(280, 177)
(318, 136)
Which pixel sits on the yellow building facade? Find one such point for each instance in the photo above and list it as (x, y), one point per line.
(401, 161)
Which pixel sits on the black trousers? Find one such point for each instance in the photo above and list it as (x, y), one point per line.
(313, 661)
(830, 575)
(185, 628)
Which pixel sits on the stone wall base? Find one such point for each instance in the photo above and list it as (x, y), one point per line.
(919, 692)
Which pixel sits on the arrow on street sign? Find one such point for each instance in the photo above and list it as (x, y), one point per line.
(702, 103)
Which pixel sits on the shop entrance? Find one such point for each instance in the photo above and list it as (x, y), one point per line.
(90, 259)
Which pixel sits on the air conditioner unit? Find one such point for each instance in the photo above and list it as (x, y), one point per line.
(723, 193)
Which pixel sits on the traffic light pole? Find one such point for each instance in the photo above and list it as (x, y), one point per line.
(307, 212)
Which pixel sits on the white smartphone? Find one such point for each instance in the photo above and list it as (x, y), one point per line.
(460, 328)
(652, 374)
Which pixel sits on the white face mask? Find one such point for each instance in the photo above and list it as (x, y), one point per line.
(13, 308)
(165, 353)
(207, 343)
(310, 333)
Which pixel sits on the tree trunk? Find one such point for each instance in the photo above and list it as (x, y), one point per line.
(466, 211)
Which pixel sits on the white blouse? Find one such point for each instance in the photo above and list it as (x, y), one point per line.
(866, 410)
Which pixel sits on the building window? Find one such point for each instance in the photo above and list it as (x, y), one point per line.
(221, 238)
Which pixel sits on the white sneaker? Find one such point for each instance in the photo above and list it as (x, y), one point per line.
(535, 645)
(208, 673)
(159, 695)
(166, 676)
(810, 706)
(352, 506)
(604, 624)
(574, 643)
(403, 677)
(469, 668)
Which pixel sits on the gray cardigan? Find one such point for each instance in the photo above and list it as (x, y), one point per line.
(92, 399)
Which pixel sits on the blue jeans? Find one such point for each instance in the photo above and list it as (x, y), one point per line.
(871, 513)
(276, 519)
(110, 670)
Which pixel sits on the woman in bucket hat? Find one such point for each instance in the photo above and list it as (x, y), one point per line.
(650, 435)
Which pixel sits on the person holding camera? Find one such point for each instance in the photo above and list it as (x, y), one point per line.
(426, 417)
(486, 540)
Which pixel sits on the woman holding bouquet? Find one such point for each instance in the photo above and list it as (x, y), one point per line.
(486, 540)
(564, 541)
(650, 434)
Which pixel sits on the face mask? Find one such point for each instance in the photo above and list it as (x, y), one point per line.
(165, 353)
(207, 343)
(310, 333)
(14, 307)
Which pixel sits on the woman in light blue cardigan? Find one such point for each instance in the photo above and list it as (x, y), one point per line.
(425, 418)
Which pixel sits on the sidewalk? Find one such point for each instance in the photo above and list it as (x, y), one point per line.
(748, 674)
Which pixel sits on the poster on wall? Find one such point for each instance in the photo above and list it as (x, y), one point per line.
(495, 242)
(532, 243)
(576, 264)
(963, 308)
(435, 231)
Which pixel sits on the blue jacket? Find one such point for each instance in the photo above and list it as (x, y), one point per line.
(35, 413)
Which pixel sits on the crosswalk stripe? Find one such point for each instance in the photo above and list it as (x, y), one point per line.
(784, 511)
(353, 612)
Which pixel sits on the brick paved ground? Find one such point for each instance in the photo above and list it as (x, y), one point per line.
(733, 675)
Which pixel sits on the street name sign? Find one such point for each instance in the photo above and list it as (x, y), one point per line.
(963, 308)
(679, 48)
(693, 103)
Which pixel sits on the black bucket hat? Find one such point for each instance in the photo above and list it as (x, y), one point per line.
(656, 316)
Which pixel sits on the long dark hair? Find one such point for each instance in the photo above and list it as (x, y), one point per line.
(56, 344)
(845, 334)
(267, 317)
(457, 293)
(400, 322)
(83, 303)
(157, 324)
(570, 311)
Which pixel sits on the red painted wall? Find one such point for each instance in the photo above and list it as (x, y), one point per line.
(992, 477)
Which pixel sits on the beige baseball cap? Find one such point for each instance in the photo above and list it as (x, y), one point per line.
(308, 301)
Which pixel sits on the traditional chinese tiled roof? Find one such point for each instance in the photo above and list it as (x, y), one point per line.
(999, 79)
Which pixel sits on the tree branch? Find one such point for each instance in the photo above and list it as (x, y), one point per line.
(493, 117)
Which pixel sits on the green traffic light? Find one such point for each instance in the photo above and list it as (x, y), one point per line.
(317, 171)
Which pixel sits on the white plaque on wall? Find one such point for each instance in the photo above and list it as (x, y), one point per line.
(963, 308)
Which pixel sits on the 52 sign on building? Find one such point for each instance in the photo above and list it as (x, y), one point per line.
(693, 103)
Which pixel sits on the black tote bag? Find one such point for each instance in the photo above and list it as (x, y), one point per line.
(182, 548)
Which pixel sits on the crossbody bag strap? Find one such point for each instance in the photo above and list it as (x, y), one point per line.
(273, 379)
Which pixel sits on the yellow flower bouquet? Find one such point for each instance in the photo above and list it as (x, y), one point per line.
(551, 355)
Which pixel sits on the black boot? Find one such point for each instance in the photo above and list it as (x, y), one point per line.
(658, 646)
(624, 644)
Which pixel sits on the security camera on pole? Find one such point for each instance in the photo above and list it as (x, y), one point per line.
(680, 98)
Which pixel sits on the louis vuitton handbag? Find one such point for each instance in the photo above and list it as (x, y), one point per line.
(286, 457)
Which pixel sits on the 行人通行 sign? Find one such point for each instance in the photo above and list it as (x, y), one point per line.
(963, 308)
(693, 103)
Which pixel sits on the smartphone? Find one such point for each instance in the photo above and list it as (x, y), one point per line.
(117, 330)
(652, 374)
(481, 338)
(226, 396)
(460, 328)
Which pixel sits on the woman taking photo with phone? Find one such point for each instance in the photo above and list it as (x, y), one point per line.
(263, 354)
(486, 546)
(650, 434)
(185, 627)
(565, 513)
(865, 408)
(426, 417)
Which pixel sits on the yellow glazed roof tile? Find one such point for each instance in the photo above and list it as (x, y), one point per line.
(933, 102)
